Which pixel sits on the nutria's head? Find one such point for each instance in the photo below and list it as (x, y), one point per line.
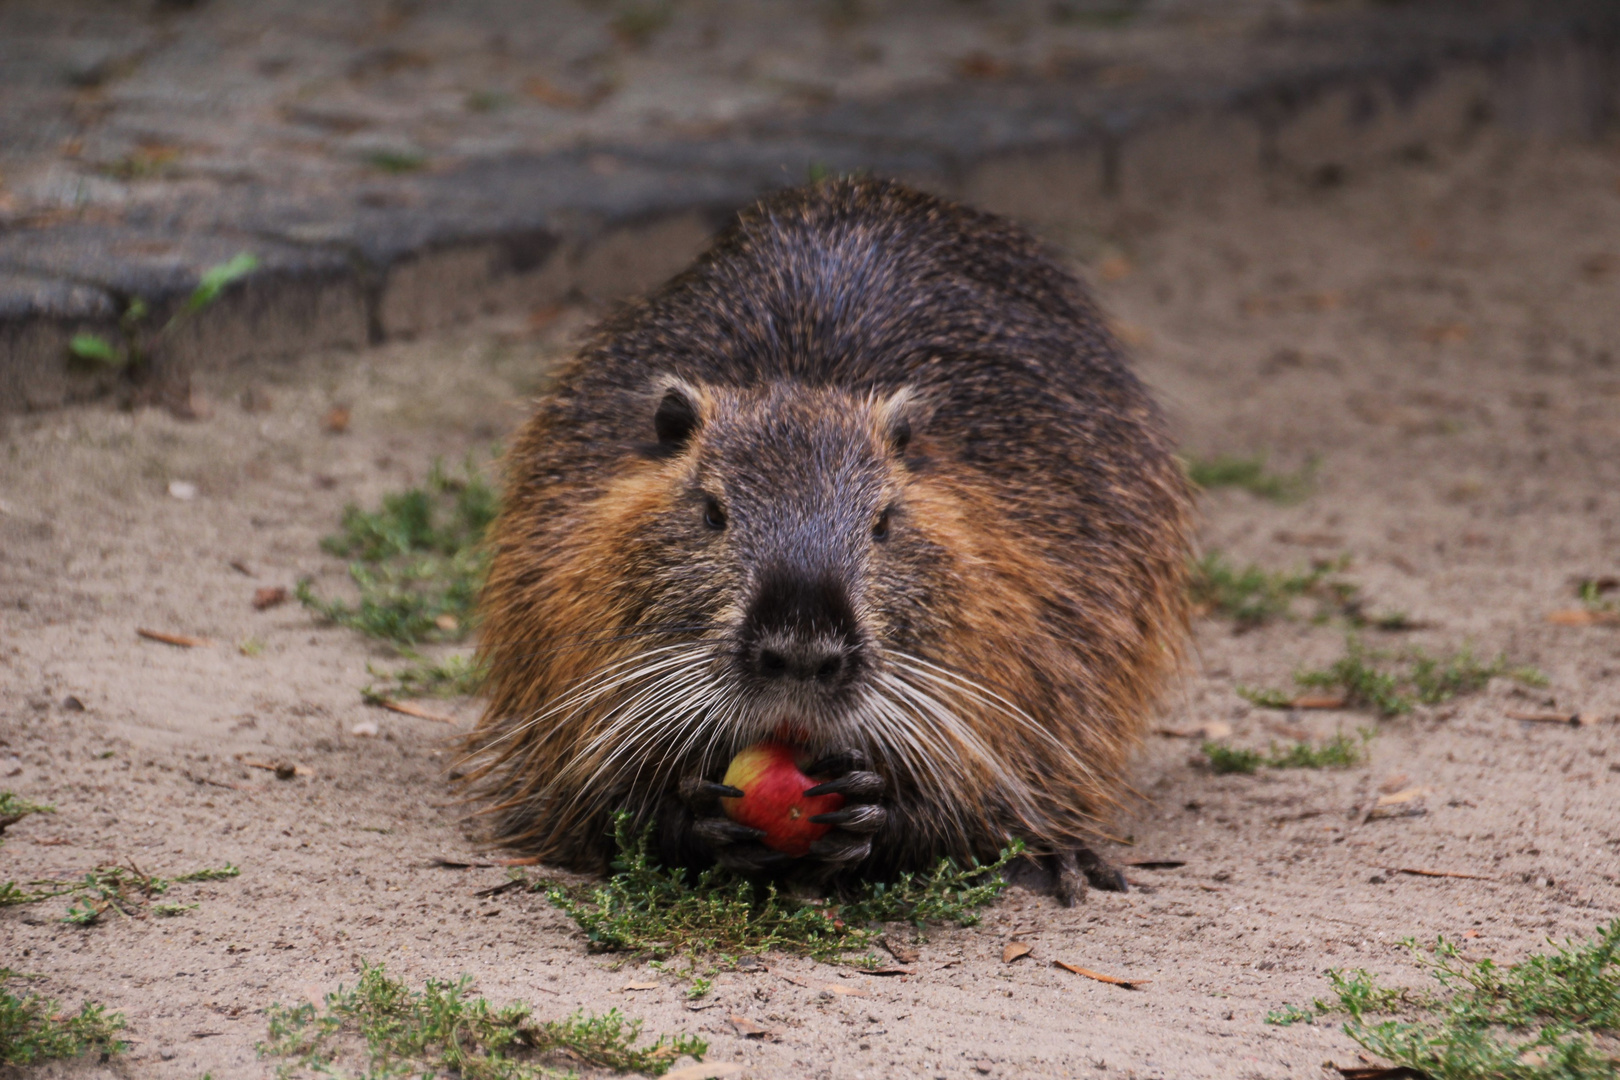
(786, 545)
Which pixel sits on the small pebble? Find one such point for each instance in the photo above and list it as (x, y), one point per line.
(184, 490)
(365, 729)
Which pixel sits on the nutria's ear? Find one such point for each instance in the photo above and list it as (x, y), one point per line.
(680, 412)
(898, 415)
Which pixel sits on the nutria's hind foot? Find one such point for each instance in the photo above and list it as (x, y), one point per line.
(1073, 870)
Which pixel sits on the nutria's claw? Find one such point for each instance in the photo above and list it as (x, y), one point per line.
(717, 831)
(1073, 870)
(857, 784)
(749, 858)
(863, 818)
(701, 794)
(841, 848)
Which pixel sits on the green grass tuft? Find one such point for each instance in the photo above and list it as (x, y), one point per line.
(442, 1030)
(646, 909)
(1249, 473)
(119, 890)
(1415, 678)
(1339, 752)
(13, 808)
(456, 675)
(1252, 596)
(35, 1029)
(419, 560)
(1553, 1016)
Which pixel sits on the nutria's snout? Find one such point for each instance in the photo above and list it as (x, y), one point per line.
(800, 642)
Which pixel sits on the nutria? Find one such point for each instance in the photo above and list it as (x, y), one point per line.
(871, 475)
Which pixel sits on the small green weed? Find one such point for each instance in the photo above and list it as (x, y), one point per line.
(456, 675)
(1534, 1020)
(1232, 759)
(122, 890)
(1252, 596)
(13, 808)
(442, 1030)
(646, 909)
(134, 350)
(35, 1029)
(396, 161)
(1594, 594)
(1390, 691)
(419, 560)
(1249, 473)
(639, 21)
(1339, 752)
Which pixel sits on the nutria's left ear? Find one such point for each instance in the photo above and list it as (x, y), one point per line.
(898, 416)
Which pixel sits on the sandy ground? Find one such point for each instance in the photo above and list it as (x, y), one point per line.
(1442, 334)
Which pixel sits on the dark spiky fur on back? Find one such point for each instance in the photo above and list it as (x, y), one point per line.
(1038, 548)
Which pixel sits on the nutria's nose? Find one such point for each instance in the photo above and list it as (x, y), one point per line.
(801, 629)
(817, 660)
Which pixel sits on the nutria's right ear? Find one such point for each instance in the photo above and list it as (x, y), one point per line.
(681, 411)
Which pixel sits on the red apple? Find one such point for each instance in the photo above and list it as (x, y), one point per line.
(774, 798)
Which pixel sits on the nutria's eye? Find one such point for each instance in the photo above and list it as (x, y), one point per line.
(713, 516)
(880, 531)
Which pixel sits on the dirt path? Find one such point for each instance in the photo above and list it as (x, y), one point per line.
(1443, 334)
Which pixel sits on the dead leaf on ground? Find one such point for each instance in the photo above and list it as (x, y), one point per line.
(1379, 1072)
(1213, 729)
(412, 710)
(902, 952)
(1440, 873)
(747, 1028)
(1111, 980)
(639, 986)
(845, 991)
(1404, 796)
(182, 640)
(705, 1070)
(1583, 617)
(269, 596)
(1572, 719)
(1445, 334)
(1318, 701)
(1015, 950)
(284, 770)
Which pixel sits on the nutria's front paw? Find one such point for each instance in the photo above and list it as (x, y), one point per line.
(732, 844)
(862, 815)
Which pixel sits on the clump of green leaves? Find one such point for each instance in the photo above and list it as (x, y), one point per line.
(441, 1029)
(1250, 474)
(419, 560)
(13, 808)
(647, 909)
(456, 675)
(1391, 685)
(1252, 596)
(136, 343)
(35, 1029)
(120, 890)
(1594, 594)
(1545, 1018)
(1339, 752)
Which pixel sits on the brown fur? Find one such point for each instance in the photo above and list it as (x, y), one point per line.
(1039, 544)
